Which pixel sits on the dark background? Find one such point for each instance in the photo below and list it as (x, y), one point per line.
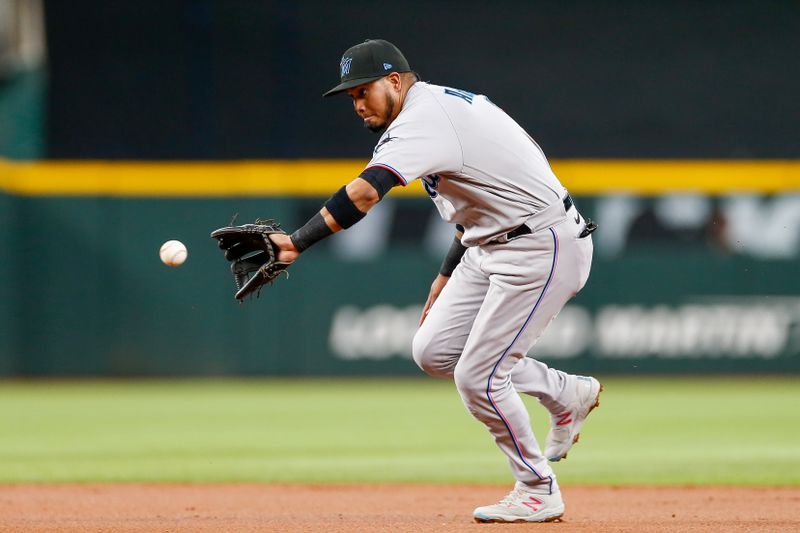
(205, 79)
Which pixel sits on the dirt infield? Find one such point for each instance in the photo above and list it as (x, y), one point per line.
(401, 508)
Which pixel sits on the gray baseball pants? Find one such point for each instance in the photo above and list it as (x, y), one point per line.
(494, 308)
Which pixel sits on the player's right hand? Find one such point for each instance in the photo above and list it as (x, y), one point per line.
(436, 288)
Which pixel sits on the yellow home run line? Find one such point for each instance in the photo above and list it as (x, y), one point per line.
(322, 177)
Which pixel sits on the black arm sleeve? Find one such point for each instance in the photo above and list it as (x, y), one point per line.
(313, 231)
(342, 209)
(380, 178)
(453, 257)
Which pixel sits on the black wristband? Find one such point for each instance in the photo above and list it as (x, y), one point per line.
(453, 258)
(313, 231)
(343, 210)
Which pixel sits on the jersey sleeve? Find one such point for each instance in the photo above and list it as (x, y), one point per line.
(421, 144)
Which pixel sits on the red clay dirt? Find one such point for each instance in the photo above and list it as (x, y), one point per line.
(45, 508)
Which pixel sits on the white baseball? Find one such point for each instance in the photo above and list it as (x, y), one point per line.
(173, 253)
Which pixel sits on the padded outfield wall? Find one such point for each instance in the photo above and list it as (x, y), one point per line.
(682, 282)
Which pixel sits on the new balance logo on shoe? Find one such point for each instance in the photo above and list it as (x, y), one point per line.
(564, 419)
(565, 427)
(533, 503)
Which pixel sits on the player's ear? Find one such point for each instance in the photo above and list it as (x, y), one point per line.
(395, 81)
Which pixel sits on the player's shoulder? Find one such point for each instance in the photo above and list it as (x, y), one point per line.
(456, 104)
(422, 94)
(431, 92)
(421, 106)
(444, 92)
(431, 100)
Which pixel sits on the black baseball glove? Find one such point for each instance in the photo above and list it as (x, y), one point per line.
(253, 256)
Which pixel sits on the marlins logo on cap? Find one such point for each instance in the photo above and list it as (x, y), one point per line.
(344, 66)
(368, 61)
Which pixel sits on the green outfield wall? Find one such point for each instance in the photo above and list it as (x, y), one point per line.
(682, 282)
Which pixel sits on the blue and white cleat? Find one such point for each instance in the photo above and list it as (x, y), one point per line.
(523, 505)
(565, 426)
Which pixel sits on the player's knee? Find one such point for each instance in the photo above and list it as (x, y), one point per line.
(420, 351)
(427, 357)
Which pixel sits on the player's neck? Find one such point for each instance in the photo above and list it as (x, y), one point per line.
(401, 101)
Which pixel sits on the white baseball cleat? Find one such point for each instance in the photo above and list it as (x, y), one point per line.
(565, 426)
(523, 505)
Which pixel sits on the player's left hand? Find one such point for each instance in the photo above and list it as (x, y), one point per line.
(436, 288)
(287, 252)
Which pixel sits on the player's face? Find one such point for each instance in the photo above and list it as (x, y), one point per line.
(375, 103)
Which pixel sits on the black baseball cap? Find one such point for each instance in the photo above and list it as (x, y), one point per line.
(369, 61)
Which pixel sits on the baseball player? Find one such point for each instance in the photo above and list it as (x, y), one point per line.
(521, 251)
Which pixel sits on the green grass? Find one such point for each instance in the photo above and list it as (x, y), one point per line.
(739, 431)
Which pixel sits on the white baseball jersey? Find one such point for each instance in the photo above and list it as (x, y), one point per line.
(479, 166)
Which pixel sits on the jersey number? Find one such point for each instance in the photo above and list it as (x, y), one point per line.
(431, 183)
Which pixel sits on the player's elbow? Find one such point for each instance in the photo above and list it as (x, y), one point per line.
(363, 195)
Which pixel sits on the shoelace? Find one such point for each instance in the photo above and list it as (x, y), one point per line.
(512, 497)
